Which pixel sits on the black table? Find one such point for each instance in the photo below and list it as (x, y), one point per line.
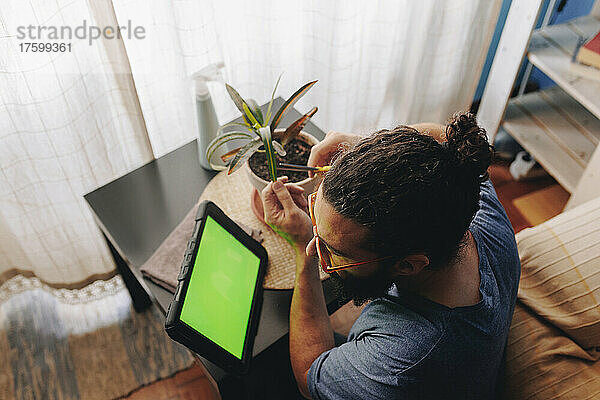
(137, 211)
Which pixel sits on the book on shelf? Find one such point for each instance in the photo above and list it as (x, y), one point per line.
(586, 60)
(589, 53)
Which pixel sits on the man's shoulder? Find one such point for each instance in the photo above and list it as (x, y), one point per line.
(495, 238)
(491, 220)
(404, 334)
(386, 343)
(391, 313)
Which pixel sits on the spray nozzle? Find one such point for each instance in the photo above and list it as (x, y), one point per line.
(210, 73)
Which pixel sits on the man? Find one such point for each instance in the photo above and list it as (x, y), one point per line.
(407, 220)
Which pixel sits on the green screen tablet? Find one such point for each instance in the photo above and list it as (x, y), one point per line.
(221, 288)
(216, 308)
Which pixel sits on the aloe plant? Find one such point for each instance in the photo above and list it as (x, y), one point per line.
(258, 130)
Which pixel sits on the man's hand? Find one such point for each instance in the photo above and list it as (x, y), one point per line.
(285, 209)
(322, 153)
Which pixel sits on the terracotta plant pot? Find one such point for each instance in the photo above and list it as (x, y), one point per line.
(309, 184)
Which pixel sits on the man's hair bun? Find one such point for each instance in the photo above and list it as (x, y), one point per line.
(468, 146)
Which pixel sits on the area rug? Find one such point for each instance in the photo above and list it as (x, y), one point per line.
(80, 344)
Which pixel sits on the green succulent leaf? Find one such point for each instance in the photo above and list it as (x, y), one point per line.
(229, 155)
(243, 154)
(238, 101)
(267, 140)
(289, 103)
(250, 116)
(268, 119)
(237, 125)
(256, 111)
(221, 140)
(279, 148)
(235, 96)
(294, 129)
(227, 137)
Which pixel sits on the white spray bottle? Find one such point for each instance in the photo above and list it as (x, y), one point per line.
(205, 110)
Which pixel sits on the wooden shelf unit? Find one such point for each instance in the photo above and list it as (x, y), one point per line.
(556, 130)
(551, 49)
(560, 126)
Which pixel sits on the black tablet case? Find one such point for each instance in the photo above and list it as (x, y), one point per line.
(185, 335)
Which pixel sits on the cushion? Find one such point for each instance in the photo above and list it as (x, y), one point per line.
(542, 363)
(554, 339)
(560, 276)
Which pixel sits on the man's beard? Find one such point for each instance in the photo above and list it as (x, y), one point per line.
(361, 290)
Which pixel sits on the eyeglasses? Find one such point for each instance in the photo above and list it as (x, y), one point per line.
(322, 249)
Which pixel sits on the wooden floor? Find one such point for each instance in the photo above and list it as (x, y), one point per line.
(541, 205)
(513, 197)
(193, 383)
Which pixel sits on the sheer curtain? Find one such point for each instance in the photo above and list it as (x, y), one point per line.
(70, 122)
(378, 63)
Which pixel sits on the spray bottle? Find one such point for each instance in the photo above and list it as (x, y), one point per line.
(205, 110)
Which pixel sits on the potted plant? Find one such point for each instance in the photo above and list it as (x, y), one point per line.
(266, 145)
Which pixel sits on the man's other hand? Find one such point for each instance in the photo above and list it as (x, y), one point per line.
(334, 142)
(285, 209)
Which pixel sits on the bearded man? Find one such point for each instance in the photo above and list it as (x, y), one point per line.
(407, 220)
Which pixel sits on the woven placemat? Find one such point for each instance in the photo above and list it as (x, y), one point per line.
(232, 193)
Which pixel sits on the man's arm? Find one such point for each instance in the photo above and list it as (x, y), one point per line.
(310, 330)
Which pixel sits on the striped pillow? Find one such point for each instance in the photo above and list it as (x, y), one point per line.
(542, 363)
(554, 338)
(560, 278)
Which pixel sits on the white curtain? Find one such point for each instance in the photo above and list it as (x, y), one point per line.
(378, 63)
(71, 122)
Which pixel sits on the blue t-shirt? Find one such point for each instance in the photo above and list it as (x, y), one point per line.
(404, 346)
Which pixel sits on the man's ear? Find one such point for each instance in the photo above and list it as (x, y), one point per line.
(412, 264)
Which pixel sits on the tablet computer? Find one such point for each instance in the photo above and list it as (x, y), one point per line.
(216, 307)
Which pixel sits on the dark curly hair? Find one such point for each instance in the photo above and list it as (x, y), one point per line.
(414, 195)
